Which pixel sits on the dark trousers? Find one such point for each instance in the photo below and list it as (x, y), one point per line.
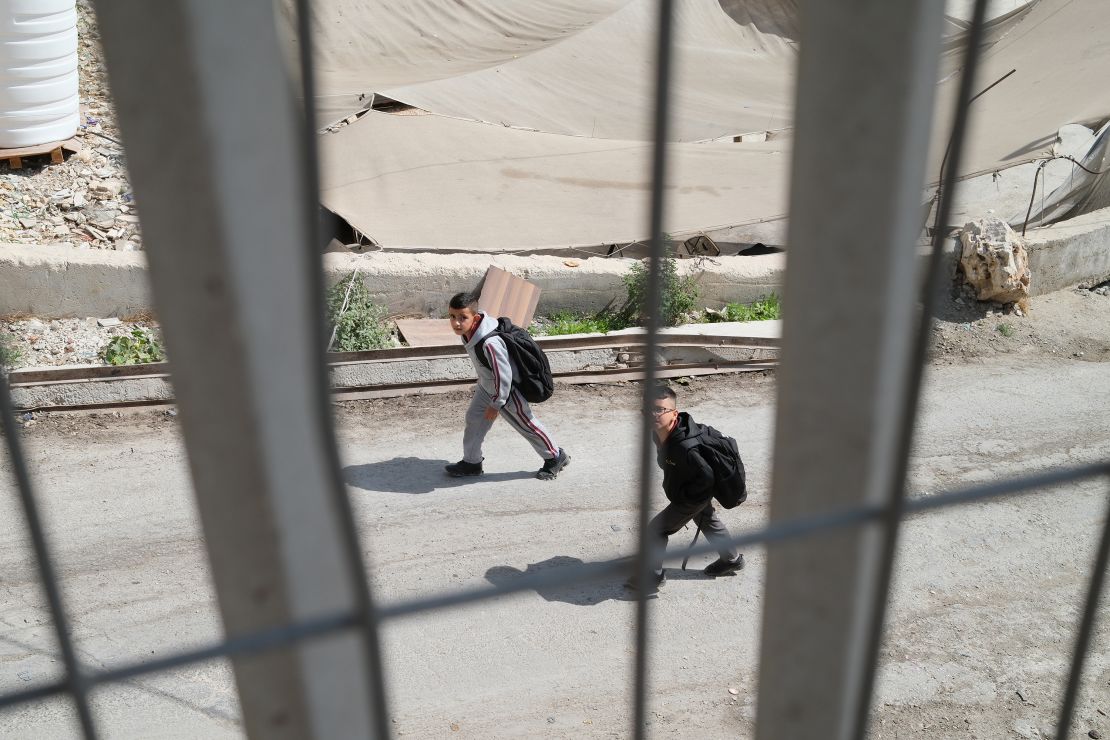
(675, 516)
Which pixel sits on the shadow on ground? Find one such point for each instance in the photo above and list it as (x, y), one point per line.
(580, 594)
(416, 475)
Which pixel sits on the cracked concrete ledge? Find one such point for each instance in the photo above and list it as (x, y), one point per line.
(1069, 253)
(55, 281)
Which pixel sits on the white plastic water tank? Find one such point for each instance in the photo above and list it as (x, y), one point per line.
(38, 72)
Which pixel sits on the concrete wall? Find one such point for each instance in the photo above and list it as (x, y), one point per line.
(58, 281)
(423, 283)
(1068, 253)
(54, 281)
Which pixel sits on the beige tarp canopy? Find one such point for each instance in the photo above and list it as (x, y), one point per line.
(535, 125)
(430, 182)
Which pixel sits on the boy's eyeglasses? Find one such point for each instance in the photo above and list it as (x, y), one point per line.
(660, 410)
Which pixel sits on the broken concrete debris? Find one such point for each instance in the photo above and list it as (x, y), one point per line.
(994, 262)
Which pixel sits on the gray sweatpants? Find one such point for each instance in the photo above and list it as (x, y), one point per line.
(674, 517)
(517, 412)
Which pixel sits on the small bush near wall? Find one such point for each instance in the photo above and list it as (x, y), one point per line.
(360, 324)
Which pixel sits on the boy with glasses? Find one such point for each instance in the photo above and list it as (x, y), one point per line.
(688, 483)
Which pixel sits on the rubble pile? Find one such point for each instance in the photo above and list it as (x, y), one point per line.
(42, 342)
(85, 202)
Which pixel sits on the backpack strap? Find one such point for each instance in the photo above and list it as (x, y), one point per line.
(480, 350)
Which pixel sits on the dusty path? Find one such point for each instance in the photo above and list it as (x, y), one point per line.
(986, 601)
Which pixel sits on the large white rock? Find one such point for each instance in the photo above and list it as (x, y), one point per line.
(994, 261)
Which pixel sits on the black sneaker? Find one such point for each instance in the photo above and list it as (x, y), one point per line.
(552, 467)
(654, 582)
(721, 567)
(462, 468)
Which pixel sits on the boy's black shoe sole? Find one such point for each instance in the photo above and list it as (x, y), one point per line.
(721, 567)
(463, 469)
(551, 468)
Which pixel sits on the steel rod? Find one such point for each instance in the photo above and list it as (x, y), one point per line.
(74, 681)
(644, 556)
(364, 602)
(894, 511)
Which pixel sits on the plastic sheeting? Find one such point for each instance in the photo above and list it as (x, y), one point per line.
(729, 78)
(584, 68)
(430, 182)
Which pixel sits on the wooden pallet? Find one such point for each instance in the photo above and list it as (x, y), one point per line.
(56, 150)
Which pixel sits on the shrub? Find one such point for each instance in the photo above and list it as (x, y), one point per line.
(568, 322)
(136, 348)
(360, 324)
(9, 353)
(1006, 330)
(764, 309)
(679, 295)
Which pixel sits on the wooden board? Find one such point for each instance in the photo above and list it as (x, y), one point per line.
(504, 294)
(427, 332)
(53, 148)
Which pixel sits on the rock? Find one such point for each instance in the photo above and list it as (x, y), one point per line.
(102, 219)
(80, 200)
(616, 527)
(1104, 290)
(27, 223)
(110, 187)
(734, 692)
(1095, 735)
(111, 321)
(994, 261)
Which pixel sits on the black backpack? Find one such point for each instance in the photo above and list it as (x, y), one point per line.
(730, 486)
(531, 371)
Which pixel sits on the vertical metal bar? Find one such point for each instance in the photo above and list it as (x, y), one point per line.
(866, 83)
(1086, 629)
(364, 603)
(895, 509)
(225, 209)
(75, 681)
(654, 291)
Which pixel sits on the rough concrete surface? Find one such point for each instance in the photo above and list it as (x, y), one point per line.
(1070, 252)
(51, 280)
(986, 596)
(423, 283)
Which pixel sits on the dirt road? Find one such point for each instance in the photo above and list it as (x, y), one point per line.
(987, 596)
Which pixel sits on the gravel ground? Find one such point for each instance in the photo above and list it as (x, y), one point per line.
(86, 202)
(983, 611)
(46, 342)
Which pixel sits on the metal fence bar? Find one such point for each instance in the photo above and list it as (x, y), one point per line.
(866, 81)
(360, 585)
(1086, 628)
(647, 543)
(911, 393)
(585, 573)
(74, 681)
(242, 284)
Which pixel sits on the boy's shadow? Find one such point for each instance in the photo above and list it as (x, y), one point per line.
(416, 475)
(579, 594)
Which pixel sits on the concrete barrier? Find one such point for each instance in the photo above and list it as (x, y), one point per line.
(1066, 254)
(54, 281)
